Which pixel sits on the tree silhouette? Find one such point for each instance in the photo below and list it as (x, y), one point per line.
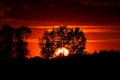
(72, 39)
(21, 45)
(12, 41)
(6, 41)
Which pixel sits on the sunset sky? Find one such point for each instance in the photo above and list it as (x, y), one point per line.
(99, 19)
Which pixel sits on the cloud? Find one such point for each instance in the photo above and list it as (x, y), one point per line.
(6, 19)
(86, 29)
(2, 13)
(105, 40)
(99, 31)
(100, 2)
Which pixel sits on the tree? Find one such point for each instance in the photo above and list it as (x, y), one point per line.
(6, 41)
(72, 39)
(12, 41)
(21, 45)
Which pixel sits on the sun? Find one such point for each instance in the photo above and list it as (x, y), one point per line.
(62, 51)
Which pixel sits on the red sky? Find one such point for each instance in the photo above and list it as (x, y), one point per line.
(92, 11)
(98, 37)
(104, 15)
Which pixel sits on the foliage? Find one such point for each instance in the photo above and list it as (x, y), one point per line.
(6, 41)
(21, 45)
(72, 39)
(12, 41)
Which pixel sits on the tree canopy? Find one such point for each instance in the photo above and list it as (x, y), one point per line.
(72, 39)
(12, 41)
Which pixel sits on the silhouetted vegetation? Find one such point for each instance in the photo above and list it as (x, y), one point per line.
(12, 41)
(102, 57)
(13, 48)
(71, 38)
(6, 41)
(21, 45)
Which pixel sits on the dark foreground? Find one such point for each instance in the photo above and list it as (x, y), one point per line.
(102, 57)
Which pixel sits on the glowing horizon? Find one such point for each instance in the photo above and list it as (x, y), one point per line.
(98, 37)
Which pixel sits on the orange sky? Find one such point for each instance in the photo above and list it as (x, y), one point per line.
(99, 19)
(100, 38)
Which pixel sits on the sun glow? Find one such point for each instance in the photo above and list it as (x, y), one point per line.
(62, 51)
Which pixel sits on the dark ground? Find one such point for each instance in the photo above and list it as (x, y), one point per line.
(97, 58)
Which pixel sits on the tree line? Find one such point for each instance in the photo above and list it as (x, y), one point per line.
(12, 41)
(72, 39)
(13, 44)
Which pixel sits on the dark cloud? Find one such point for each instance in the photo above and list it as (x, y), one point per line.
(61, 10)
(2, 13)
(8, 6)
(100, 2)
